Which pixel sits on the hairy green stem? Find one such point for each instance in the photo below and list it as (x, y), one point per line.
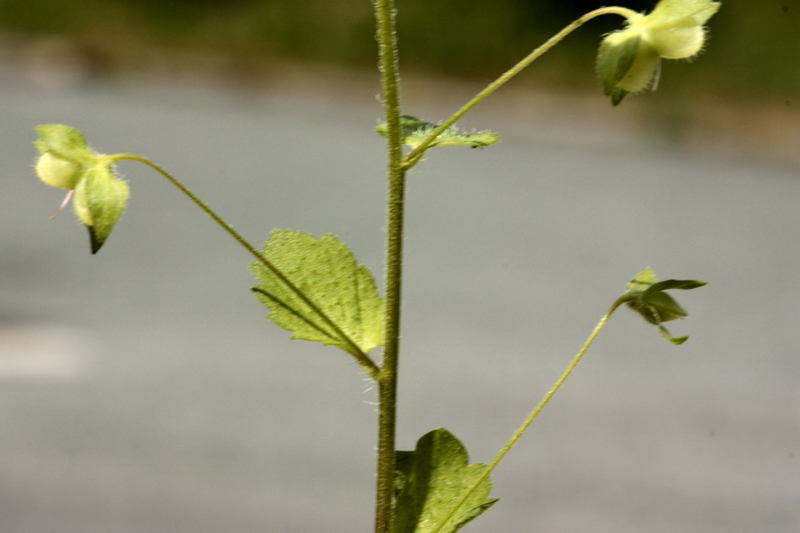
(532, 416)
(413, 157)
(361, 357)
(387, 415)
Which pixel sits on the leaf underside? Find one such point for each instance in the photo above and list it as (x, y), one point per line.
(430, 481)
(326, 271)
(414, 131)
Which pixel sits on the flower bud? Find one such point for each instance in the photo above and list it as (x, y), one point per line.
(58, 172)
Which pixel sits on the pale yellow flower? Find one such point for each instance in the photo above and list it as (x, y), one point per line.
(629, 60)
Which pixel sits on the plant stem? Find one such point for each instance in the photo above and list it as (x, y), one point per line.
(413, 157)
(532, 416)
(387, 398)
(363, 359)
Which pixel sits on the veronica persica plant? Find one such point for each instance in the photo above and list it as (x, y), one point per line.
(315, 287)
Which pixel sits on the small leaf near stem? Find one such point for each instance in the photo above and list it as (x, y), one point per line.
(414, 131)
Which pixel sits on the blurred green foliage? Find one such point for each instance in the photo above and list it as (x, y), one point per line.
(754, 47)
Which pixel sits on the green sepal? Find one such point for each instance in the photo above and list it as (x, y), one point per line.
(683, 12)
(645, 295)
(625, 64)
(628, 60)
(431, 480)
(65, 142)
(326, 271)
(667, 335)
(100, 199)
(414, 131)
(658, 307)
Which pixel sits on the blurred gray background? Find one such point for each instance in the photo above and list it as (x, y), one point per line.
(142, 389)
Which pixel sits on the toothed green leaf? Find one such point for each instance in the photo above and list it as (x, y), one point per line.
(431, 480)
(413, 131)
(326, 271)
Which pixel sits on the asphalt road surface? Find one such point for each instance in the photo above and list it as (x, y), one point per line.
(142, 389)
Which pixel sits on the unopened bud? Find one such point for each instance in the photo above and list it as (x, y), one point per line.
(58, 172)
